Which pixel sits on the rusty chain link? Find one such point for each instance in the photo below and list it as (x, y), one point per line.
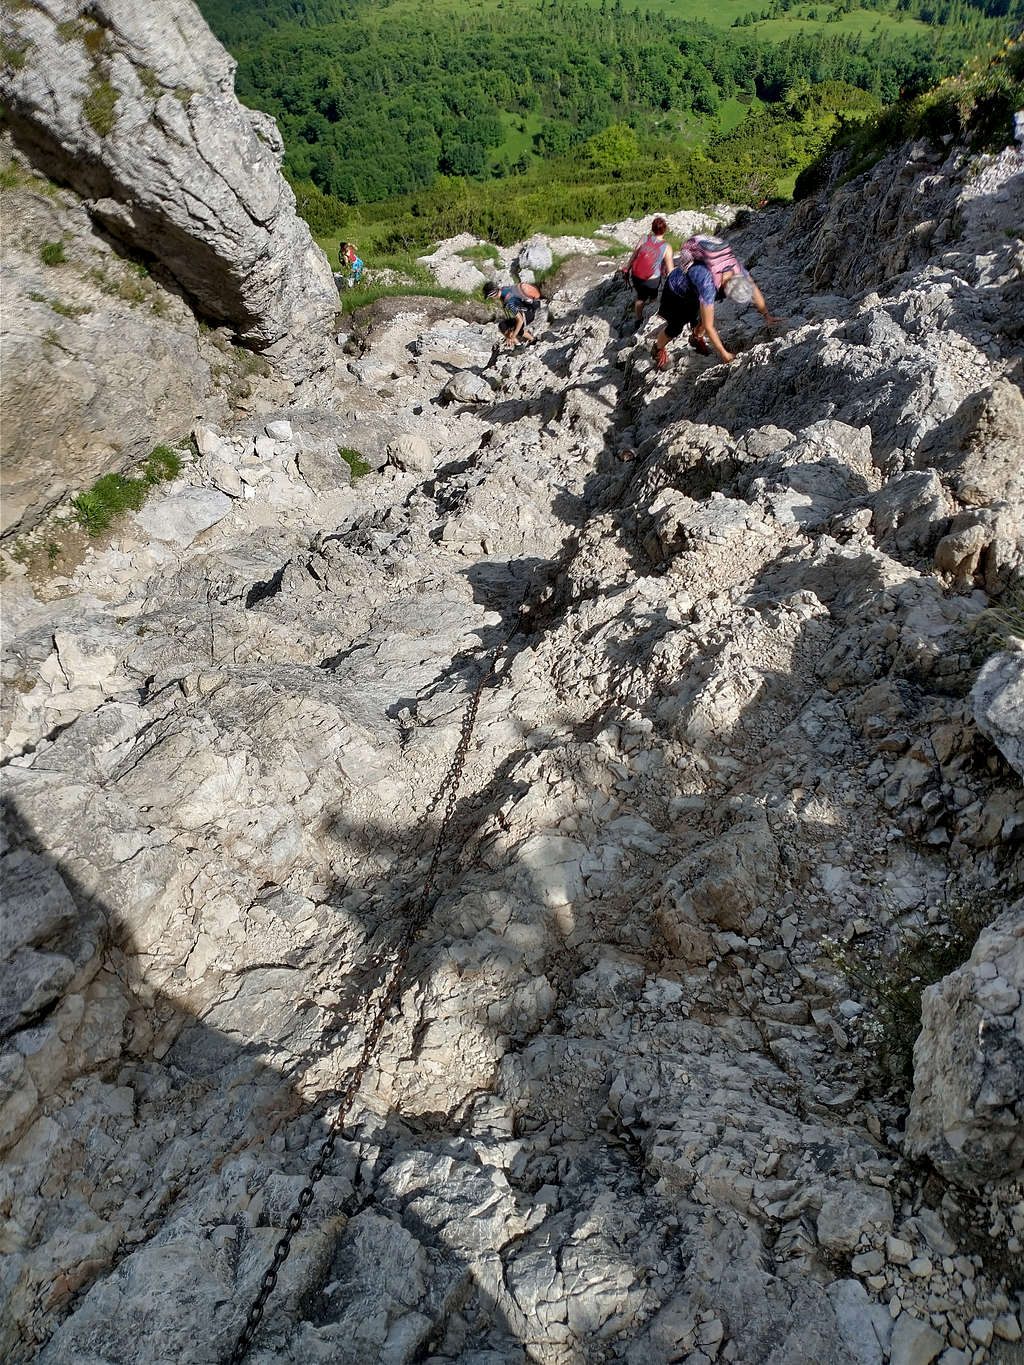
(417, 917)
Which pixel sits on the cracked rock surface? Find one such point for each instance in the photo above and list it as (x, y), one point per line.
(625, 1111)
(132, 105)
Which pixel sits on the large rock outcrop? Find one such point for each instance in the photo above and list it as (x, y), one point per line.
(102, 360)
(132, 105)
(967, 1112)
(621, 1114)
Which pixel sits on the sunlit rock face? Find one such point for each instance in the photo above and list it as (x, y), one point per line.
(131, 104)
(627, 1110)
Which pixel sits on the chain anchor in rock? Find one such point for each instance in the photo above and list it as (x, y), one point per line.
(418, 915)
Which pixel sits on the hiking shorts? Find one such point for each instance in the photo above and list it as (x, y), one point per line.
(646, 289)
(525, 308)
(678, 310)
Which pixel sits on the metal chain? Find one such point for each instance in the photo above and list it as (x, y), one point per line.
(417, 917)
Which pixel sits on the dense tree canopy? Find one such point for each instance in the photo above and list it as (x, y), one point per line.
(379, 99)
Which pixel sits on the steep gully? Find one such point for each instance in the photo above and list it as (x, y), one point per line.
(620, 1115)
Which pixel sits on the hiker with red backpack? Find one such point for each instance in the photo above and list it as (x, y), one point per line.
(707, 270)
(520, 302)
(649, 263)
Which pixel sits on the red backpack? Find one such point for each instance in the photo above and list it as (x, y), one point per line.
(645, 262)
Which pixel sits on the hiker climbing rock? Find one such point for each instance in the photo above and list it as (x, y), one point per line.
(350, 263)
(520, 302)
(650, 262)
(707, 270)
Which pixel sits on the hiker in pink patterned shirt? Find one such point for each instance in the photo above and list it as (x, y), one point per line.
(707, 272)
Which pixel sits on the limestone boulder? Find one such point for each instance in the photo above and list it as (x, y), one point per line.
(411, 453)
(979, 448)
(725, 885)
(535, 256)
(181, 517)
(967, 1107)
(134, 108)
(467, 387)
(912, 511)
(998, 699)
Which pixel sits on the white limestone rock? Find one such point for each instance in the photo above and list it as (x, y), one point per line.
(850, 1210)
(467, 387)
(183, 172)
(412, 453)
(534, 256)
(180, 517)
(914, 1342)
(967, 1107)
(998, 701)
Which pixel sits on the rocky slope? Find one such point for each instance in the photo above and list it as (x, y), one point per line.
(137, 193)
(627, 1110)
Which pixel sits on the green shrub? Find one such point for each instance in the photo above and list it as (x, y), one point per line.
(355, 462)
(976, 106)
(322, 211)
(52, 253)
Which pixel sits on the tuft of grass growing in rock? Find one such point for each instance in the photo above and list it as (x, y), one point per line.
(251, 363)
(112, 495)
(13, 54)
(131, 285)
(162, 465)
(109, 498)
(66, 310)
(52, 253)
(355, 462)
(539, 276)
(891, 985)
(998, 626)
(149, 82)
(483, 251)
(100, 107)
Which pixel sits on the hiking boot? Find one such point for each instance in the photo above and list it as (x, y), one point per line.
(660, 356)
(699, 344)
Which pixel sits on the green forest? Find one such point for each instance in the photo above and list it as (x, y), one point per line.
(379, 99)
